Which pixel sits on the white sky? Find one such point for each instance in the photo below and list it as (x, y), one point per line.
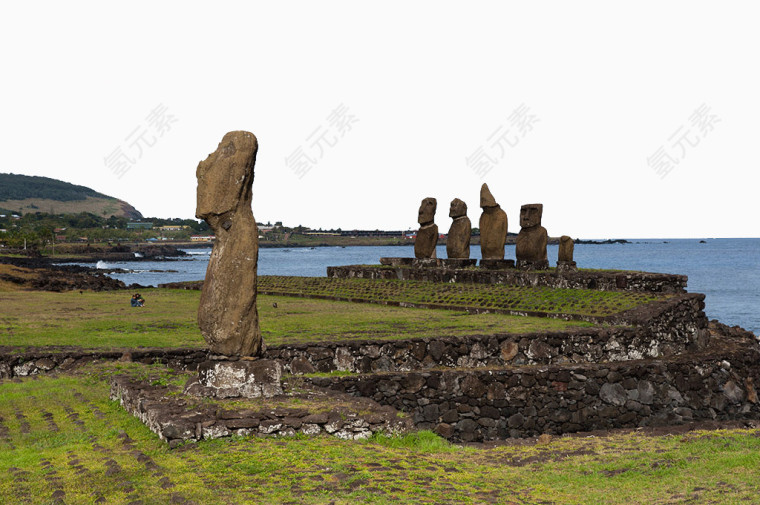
(424, 85)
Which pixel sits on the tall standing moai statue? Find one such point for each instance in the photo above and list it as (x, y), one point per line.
(493, 227)
(227, 314)
(532, 239)
(565, 261)
(427, 235)
(458, 239)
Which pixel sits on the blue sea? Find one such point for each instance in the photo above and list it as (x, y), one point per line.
(726, 270)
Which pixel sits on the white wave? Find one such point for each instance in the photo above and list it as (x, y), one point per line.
(138, 255)
(102, 265)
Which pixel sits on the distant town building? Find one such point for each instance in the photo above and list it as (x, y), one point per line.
(139, 225)
(202, 238)
(173, 227)
(371, 233)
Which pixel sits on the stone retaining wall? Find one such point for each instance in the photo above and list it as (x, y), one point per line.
(474, 405)
(175, 419)
(583, 279)
(33, 363)
(665, 329)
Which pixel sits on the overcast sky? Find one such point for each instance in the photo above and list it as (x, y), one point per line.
(625, 120)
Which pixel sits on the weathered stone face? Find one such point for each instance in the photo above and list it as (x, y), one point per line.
(530, 215)
(532, 239)
(227, 314)
(566, 246)
(458, 240)
(458, 208)
(426, 213)
(493, 226)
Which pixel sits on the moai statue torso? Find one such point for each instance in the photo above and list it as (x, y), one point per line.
(458, 240)
(227, 314)
(565, 261)
(493, 226)
(532, 239)
(566, 246)
(427, 235)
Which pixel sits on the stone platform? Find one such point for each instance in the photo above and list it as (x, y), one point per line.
(504, 273)
(521, 401)
(177, 418)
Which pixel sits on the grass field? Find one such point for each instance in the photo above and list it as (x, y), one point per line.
(63, 441)
(581, 302)
(106, 320)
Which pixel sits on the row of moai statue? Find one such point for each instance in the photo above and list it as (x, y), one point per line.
(530, 249)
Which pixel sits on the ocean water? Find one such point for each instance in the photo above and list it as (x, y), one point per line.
(727, 271)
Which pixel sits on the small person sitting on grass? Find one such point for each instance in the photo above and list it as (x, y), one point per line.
(137, 300)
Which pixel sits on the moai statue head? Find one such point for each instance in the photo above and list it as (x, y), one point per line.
(486, 198)
(225, 177)
(530, 215)
(458, 208)
(426, 214)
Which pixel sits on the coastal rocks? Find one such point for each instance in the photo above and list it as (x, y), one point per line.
(565, 261)
(227, 314)
(532, 239)
(458, 241)
(493, 226)
(427, 235)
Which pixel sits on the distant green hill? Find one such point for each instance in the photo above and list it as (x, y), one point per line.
(26, 193)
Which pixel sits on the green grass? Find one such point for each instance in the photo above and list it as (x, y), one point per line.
(169, 319)
(94, 459)
(580, 302)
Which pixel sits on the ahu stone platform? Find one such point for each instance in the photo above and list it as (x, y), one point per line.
(440, 270)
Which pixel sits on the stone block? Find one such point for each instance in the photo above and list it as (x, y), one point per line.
(458, 263)
(396, 262)
(245, 378)
(497, 264)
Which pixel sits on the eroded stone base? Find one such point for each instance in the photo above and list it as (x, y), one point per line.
(397, 262)
(458, 263)
(492, 264)
(237, 379)
(532, 265)
(426, 262)
(566, 266)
